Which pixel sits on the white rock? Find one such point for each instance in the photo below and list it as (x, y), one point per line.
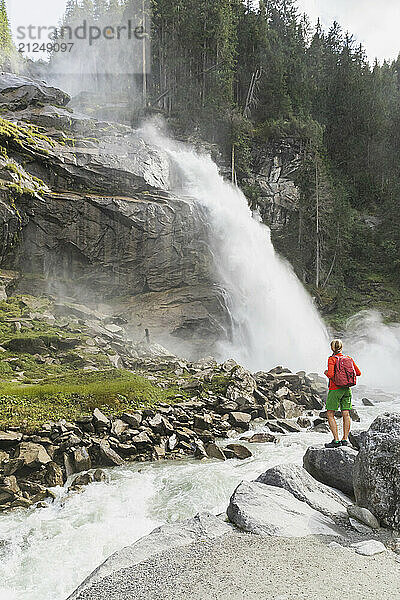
(360, 527)
(305, 488)
(113, 328)
(272, 511)
(282, 392)
(369, 547)
(336, 545)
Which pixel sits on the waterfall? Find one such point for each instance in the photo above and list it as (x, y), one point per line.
(273, 318)
(376, 347)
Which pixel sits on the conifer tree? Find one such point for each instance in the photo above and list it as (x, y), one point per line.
(7, 48)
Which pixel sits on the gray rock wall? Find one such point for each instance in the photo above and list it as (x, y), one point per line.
(274, 168)
(99, 225)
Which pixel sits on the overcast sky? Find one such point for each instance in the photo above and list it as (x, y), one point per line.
(374, 23)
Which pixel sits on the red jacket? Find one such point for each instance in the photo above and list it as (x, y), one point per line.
(331, 370)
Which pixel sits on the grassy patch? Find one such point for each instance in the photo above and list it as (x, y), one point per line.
(40, 349)
(35, 370)
(71, 396)
(16, 309)
(42, 374)
(32, 343)
(218, 385)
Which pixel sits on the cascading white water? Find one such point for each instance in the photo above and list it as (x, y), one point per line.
(376, 347)
(273, 318)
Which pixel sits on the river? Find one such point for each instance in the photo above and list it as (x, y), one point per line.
(45, 553)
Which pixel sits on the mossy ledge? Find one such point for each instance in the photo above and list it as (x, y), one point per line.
(70, 397)
(24, 138)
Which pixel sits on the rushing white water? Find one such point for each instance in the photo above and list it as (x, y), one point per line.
(45, 553)
(273, 318)
(376, 347)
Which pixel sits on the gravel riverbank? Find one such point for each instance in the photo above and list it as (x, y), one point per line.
(245, 566)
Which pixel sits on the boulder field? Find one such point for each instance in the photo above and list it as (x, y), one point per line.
(32, 463)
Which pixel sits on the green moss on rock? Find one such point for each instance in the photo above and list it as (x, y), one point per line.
(71, 396)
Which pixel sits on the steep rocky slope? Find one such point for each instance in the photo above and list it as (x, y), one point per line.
(85, 212)
(274, 168)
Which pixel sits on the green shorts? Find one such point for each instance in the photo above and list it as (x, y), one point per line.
(339, 398)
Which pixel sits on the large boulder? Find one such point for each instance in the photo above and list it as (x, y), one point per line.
(242, 385)
(100, 421)
(240, 420)
(53, 475)
(133, 419)
(109, 456)
(377, 470)
(203, 526)
(332, 466)
(286, 409)
(272, 511)
(82, 461)
(9, 489)
(296, 480)
(214, 451)
(18, 92)
(261, 438)
(356, 438)
(32, 455)
(239, 451)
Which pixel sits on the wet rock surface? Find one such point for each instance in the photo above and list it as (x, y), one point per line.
(18, 92)
(98, 222)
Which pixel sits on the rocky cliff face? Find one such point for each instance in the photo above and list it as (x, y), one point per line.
(85, 211)
(274, 167)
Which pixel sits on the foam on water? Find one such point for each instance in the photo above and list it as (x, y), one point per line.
(45, 553)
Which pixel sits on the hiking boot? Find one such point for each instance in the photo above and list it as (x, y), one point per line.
(344, 443)
(333, 444)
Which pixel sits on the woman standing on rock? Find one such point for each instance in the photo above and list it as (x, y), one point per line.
(342, 373)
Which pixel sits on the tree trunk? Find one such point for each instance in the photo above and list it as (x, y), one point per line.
(318, 249)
